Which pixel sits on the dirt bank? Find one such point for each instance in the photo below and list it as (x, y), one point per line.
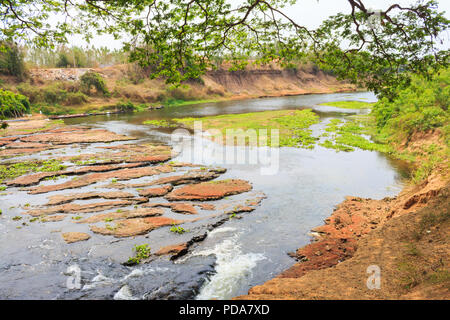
(407, 237)
(125, 84)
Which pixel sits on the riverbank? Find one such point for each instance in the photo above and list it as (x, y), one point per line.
(404, 239)
(60, 91)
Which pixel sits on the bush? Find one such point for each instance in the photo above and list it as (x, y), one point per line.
(75, 98)
(420, 107)
(13, 105)
(93, 79)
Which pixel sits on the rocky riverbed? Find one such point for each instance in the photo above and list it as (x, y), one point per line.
(93, 186)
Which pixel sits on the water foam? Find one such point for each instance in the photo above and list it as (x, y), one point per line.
(233, 268)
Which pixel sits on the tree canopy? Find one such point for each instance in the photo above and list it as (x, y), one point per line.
(178, 39)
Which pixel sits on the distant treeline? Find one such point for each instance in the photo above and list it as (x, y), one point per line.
(73, 57)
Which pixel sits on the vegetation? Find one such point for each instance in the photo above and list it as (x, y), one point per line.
(93, 79)
(160, 123)
(349, 104)
(421, 108)
(379, 50)
(13, 105)
(12, 60)
(142, 252)
(346, 135)
(12, 171)
(293, 126)
(177, 229)
(74, 56)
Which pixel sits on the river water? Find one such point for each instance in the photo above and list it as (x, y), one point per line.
(235, 256)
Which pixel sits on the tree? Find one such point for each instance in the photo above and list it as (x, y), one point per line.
(178, 38)
(12, 60)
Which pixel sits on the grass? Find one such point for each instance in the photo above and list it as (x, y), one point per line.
(349, 104)
(12, 171)
(172, 102)
(141, 252)
(347, 135)
(293, 127)
(178, 229)
(160, 123)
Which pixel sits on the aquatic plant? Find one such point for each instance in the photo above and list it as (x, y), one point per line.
(349, 104)
(141, 252)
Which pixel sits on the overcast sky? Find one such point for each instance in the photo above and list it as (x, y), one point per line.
(309, 13)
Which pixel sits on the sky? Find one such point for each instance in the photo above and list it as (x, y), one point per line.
(309, 13)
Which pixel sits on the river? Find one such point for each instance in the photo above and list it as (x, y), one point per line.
(235, 256)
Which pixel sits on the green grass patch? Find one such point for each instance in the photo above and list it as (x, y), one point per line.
(347, 135)
(293, 126)
(12, 171)
(141, 252)
(349, 104)
(161, 123)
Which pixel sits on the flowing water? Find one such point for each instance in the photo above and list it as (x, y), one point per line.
(234, 257)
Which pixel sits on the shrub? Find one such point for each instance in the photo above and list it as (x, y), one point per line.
(75, 98)
(13, 105)
(93, 79)
(420, 107)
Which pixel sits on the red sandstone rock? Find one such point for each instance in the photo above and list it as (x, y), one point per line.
(134, 227)
(209, 190)
(60, 199)
(123, 174)
(155, 192)
(35, 178)
(128, 214)
(71, 237)
(86, 136)
(173, 249)
(82, 208)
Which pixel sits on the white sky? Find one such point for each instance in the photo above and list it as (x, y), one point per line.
(309, 13)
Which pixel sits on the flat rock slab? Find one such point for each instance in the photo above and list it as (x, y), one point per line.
(87, 136)
(155, 192)
(134, 227)
(123, 174)
(190, 177)
(206, 206)
(26, 145)
(53, 218)
(60, 199)
(35, 178)
(173, 249)
(128, 214)
(71, 237)
(84, 208)
(18, 152)
(183, 208)
(212, 190)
